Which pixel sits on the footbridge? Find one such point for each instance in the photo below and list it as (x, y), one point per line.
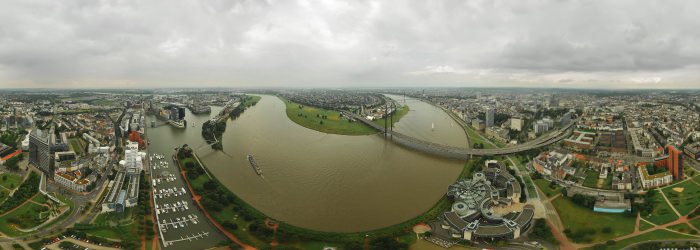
(457, 152)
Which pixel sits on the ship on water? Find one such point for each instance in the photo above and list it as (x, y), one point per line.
(254, 164)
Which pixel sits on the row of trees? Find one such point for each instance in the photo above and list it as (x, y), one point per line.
(541, 230)
(11, 163)
(25, 191)
(212, 130)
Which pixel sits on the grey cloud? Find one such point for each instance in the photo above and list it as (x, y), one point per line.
(345, 43)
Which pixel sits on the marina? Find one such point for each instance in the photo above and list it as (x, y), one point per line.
(180, 224)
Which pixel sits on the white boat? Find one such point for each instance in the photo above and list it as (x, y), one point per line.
(433, 126)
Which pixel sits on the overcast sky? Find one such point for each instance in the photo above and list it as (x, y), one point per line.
(383, 43)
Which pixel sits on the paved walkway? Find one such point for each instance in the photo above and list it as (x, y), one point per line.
(680, 220)
(155, 235)
(669, 203)
(25, 202)
(74, 241)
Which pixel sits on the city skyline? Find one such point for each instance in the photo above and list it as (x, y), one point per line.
(340, 44)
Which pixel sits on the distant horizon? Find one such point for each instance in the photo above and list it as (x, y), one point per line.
(351, 88)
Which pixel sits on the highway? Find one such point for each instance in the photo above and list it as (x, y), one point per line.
(463, 153)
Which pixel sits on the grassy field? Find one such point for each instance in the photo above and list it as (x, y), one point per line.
(127, 227)
(75, 146)
(519, 162)
(662, 212)
(475, 138)
(544, 186)
(686, 200)
(253, 99)
(683, 228)
(529, 184)
(591, 179)
(584, 221)
(658, 234)
(26, 216)
(644, 226)
(10, 181)
(310, 117)
(695, 223)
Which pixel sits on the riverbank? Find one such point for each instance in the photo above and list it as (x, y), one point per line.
(235, 215)
(212, 131)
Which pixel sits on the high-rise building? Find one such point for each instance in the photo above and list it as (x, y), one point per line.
(490, 113)
(40, 151)
(516, 123)
(675, 162)
(174, 114)
(566, 118)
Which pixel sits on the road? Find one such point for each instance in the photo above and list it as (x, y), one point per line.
(79, 201)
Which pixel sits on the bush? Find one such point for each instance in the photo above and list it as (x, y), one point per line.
(541, 230)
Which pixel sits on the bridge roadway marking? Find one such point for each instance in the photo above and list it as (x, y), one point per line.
(463, 153)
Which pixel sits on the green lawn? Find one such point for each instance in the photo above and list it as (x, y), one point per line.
(530, 186)
(108, 232)
(608, 182)
(519, 162)
(475, 138)
(544, 186)
(683, 228)
(3, 195)
(581, 220)
(658, 234)
(26, 216)
(253, 99)
(41, 199)
(333, 124)
(662, 212)
(695, 223)
(591, 179)
(75, 146)
(10, 181)
(684, 201)
(644, 226)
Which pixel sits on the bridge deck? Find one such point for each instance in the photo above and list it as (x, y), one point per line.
(457, 152)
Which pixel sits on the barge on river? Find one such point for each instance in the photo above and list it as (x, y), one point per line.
(254, 164)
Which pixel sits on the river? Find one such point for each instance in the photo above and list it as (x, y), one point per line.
(324, 181)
